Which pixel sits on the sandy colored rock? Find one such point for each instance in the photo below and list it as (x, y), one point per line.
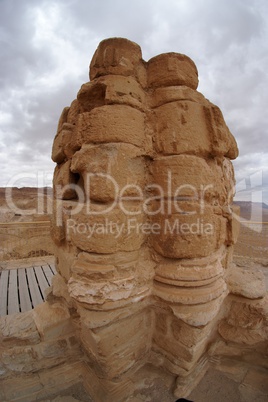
(188, 232)
(191, 271)
(74, 111)
(64, 182)
(110, 171)
(170, 94)
(112, 123)
(102, 229)
(63, 118)
(52, 321)
(247, 283)
(246, 323)
(180, 127)
(140, 294)
(222, 141)
(65, 143)
(184, 295)
(19, 329)
(117, 56)
(112, 90)
(188, 177)
(199, 314)
(170, 69)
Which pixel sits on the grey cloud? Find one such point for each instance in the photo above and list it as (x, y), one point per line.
(226, 39)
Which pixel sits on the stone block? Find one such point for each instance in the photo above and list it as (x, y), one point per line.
(170, 69)
(188, 296)
(187, 232)
(190, 272)
(20, 359)
(177, 350)
(112, 123)
(188, 335)
(180, 127)
(58, 154)
(66, 143)
(98, 267)
(222, 141)
(52, 321)
(188, 177)
(109, 283)
(63, 118)
(108, 90)
(126, 342)
(169, 94)
(241, 335)
(64, 182)
(116, 56)
(233, 228)
(247, 283)
(74, 111)
(18, 329)
(199, 314)
(21, 388)
(60, 289)
(65, 257)
(106, 229)
(110, 171)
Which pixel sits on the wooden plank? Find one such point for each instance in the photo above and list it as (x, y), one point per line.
(41, 280)
(48, 272)
(3, 292)
(13, 300)
(53, 269)
(25, 301)
(34, 289)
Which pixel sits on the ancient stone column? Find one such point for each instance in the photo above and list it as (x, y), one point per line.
(142, 220)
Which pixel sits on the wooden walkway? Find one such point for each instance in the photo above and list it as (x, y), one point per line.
(23, 288)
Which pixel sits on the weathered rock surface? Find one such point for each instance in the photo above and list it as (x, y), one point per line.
(144, 232)
(247, 283)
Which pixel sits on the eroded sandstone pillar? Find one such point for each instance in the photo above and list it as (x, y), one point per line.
(142, 220)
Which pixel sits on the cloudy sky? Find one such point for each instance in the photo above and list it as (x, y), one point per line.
(46, 47)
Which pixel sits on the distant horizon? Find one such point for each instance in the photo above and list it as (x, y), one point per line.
(237, 197)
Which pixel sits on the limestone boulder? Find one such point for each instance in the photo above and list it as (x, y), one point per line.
(74, 111)
(118, 56)
(63, 118)
(188, 231)
(247, 283)
(180, 127)
(222, 141)
(247, 322)
(109, 90)
(110, 171)
(66, 143)
(64, 182)
(106, 228)
(188, 177)
(170, 69)
(19, 329)
(174, 93)
(112, 123)
(191, 271)
(198, 315)
(185, 295)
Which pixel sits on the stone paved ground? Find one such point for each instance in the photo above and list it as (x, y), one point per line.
(215, 386)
